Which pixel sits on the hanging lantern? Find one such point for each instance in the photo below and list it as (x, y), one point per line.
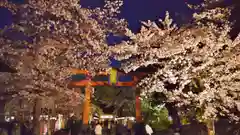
(113, 76)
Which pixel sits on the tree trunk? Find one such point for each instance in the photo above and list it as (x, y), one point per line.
(2, 106)
(36, 115)
(211, 127)
(138, 105)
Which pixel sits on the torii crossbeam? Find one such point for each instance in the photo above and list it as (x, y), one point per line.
(82, 78)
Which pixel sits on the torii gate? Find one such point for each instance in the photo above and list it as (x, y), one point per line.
(83, 78)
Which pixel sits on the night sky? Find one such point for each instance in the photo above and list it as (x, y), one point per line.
(133, 10)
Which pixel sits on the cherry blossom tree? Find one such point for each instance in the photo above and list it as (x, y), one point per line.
(197, 64)
(60, 36)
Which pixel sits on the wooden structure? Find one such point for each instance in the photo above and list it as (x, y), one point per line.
(82, 78)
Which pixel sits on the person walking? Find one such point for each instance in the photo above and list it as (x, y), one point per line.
(129, 127)
(119, 128)
(92, 127)
(139, 128)
(98, 129)
(148, 129)
(71, 124)
(109, 127)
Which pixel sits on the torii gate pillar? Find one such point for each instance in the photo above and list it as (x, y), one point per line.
(138, 106)
(87, 104)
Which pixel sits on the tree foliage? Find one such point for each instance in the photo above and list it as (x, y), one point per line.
(60, 36)
(155, 114)
(200, 63)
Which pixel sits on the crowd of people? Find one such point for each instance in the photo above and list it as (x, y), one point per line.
(120, 128)
(109, 127)
(15, 128)
(74, 126)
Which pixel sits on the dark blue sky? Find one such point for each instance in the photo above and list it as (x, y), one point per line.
(132, 10)
(135, 10)
(5, 16)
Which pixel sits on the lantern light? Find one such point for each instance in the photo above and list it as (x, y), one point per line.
(113, 76)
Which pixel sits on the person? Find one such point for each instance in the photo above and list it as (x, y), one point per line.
(98, 129)
(114, 127)
(109, 127)
(25, 128)
(92, 127)
(139, 128)
(148, 129)
(61, 132)
(72, 125)
(16, 128)
(105, 127)
(129, 127)
(119, 128)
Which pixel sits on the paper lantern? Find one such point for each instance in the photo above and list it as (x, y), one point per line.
(113, 76)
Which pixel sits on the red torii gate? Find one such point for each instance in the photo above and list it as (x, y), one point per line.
(88, 83)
